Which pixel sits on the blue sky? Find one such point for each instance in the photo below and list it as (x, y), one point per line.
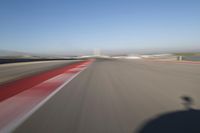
(69, 25)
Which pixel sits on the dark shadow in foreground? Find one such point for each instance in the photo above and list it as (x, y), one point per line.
(186, 121)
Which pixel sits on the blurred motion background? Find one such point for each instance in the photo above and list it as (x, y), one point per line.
(57, 28)
(99, 66)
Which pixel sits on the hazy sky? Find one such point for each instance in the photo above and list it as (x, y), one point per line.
(70, 25)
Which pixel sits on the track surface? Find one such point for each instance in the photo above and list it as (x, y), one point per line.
(9, 72)
(117, 96)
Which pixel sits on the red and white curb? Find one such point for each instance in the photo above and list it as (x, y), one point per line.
(16, 109)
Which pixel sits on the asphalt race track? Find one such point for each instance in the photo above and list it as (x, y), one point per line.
(123, 96)
(13, 71)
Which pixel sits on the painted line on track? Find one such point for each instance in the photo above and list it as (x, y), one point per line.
(16, 109)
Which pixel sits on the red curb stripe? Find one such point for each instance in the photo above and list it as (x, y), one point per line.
(10, 89)
(18, 108)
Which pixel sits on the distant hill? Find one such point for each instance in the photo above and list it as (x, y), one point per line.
(10, 53)
(5, 54)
